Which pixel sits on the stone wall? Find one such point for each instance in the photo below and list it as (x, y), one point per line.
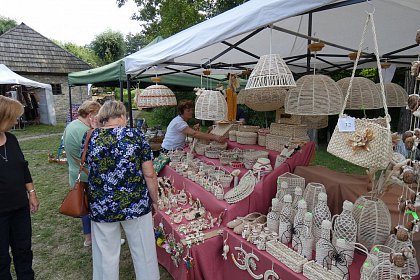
(61, 102)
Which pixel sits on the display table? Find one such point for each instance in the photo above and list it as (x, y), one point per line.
(207, 258)
(231, 271)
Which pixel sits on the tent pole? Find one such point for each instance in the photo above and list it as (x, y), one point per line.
(130, 111)
(70, 110)
(308, 52)
(121, 91)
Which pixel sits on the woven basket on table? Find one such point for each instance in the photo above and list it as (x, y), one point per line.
(226, 157)
(247, 138)
(232, 135)
(287, 130)
(371, 268)
(282, 117)
(262, 132)
(250, 157)
(292, 181)
(277, 142)
(248, 128)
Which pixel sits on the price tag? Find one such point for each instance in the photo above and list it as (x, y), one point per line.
(346, 124)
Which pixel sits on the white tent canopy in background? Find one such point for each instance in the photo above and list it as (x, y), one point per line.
(43, 91)
(234, 40)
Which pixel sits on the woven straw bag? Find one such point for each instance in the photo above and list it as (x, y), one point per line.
(377, 152)
(248, 128)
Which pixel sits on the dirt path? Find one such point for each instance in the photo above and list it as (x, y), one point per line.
(25, 138)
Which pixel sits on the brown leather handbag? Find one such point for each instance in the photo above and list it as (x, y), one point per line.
(75, 204)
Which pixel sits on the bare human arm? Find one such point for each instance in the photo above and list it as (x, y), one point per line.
(151, 181)
(200, 135)
(33, 199)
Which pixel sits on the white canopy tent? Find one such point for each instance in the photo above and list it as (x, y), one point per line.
(234, 40)
(43, 92)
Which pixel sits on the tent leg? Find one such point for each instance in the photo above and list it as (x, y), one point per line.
(70, 110)
(130, 111)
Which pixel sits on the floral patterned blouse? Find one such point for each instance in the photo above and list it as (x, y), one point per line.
(117, 189)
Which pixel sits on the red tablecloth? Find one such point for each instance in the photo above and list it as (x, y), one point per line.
(231, 271)
(207, 258)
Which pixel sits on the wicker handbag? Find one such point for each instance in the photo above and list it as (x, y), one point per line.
(370, 144)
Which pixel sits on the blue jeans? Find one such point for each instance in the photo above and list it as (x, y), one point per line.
(16, 232)
(86, 225)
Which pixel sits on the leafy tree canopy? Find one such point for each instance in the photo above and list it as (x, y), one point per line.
(109, 46)
(6, 24)
(84, 53)
(167, 17)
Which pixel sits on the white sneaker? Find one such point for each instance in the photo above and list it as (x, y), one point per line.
(122, 241)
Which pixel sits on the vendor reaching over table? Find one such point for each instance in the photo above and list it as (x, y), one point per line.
(178, 129)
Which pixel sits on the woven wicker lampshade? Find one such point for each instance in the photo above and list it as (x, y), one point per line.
(156, 96)
(315, 122)
(396, 96)
(271, 71)
(262, 99)
(314, 95)
(363, 95)
(211, 106)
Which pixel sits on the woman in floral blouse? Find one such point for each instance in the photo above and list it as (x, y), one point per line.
(122, 192)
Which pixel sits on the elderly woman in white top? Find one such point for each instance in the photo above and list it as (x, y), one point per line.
(178, 129)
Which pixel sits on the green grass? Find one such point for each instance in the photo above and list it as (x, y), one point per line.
(322, 157)
(57, 239)
(41, 129)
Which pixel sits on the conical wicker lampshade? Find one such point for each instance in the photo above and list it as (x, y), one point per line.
(156, 96)
(364, 94)
(396, 96)
(271, 71)
(314, 95)
(263, 99)
(211, 106)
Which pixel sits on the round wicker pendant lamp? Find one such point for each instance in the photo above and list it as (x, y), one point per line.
(314, 95)
(263, 99)
(156, 96)
(271, 71)
(315, 122)
(211, 106)
(363, 95)
(396, 96)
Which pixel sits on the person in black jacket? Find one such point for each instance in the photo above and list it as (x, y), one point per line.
(17, 198)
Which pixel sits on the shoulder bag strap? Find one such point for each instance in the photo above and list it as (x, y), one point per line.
(82, 161)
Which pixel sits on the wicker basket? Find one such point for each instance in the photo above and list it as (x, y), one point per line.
(373, 221)
(315, 271)
(247, 138)
(248, 128)
(287, 130)
(282, 117)
(310, 195)
(211, 105)
(200, 148)
(371, 268)
(250, 157)
(262, 133)
(292, 181)
(263, 99)
(290, 258)
(412, 267)
(232, 135)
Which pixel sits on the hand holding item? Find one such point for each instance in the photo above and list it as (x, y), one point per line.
(196, 127)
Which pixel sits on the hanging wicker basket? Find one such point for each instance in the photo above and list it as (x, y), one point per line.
(363, 95)
(396, 96)
(314, 95)
(315, 122)
(155, 96)
(211, 105)
(263, 99)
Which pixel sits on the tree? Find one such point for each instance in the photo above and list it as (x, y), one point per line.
(133, 42)
(6, 24)
(167, 17)
(84, 53)
(109, 46)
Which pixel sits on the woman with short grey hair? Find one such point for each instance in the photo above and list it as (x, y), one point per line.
(122, 192)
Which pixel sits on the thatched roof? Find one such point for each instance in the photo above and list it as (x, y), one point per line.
(23, 49)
